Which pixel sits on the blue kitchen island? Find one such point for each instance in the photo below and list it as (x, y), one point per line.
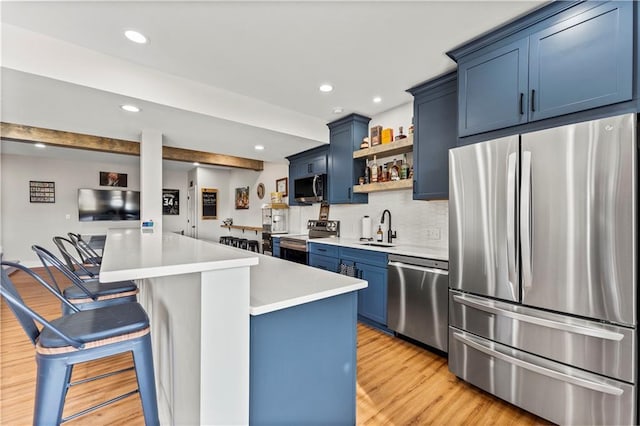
(240, 337)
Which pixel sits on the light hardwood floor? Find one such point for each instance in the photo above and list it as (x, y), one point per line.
(398, 382)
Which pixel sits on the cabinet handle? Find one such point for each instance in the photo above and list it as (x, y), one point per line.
(533, 99)
(521, 104)
(349, 193)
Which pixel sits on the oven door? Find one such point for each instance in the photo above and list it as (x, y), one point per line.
(293, 250)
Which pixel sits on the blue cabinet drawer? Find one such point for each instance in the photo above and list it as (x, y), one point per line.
(324, 262)
(370, 257)
(324, 249)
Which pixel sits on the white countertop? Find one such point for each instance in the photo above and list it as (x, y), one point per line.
(277, 284)
(132, 254)
(274, 283)
(426, 252)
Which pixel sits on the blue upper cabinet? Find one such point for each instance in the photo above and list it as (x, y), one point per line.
(563, 58)
(493, 89)
(435, 107)
(306, 163)
(345, 136)
(583, 62)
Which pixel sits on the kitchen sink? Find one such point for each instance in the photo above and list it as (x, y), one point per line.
(377, 244)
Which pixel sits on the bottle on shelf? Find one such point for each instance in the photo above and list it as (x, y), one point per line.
(373, 176)
(394, 172)
(366, 172)
(379, 234)
(383, 177)
(404, 168)
(401, 135)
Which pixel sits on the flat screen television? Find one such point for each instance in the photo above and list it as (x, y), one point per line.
(108, 204)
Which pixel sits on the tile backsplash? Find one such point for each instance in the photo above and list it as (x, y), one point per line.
(416, 222)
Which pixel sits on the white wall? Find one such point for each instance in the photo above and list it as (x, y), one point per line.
(25, 223)
(226, 181)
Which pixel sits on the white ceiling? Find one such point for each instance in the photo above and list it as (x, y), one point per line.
(224, 76)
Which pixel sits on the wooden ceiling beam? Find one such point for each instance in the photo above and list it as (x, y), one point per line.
(22, 133)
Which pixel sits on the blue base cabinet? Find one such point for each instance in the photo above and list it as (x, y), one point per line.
(303, 364)
(560, 59)
(275, 247)
(435, 106)
(371, 266)
(365, 264)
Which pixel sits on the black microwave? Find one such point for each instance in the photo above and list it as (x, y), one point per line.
(310, 189)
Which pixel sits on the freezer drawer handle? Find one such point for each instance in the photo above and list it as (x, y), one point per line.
(571, 328)
(599, 387)
(418, 268)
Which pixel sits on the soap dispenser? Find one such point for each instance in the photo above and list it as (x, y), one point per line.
(379, 234)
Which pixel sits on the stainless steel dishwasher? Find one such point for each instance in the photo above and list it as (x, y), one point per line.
(417, 299)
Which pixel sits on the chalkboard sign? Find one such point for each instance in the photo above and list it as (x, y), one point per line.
(209, 203)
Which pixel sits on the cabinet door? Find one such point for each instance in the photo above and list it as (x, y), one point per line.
(324, 262)
(583, 62)
(341, 165)
(493, 89)
(435, 133)
(372, 301)
(275, 252)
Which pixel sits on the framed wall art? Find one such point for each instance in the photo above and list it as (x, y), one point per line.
(242, 198)
(282, 185)
(171, 202)
(209, 201)
(113, 179)
(42, 192)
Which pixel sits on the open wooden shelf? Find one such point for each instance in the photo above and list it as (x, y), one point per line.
(384, 186)
(243, 228)
(387, 150)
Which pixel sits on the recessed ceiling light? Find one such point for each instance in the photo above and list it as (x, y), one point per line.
(326, 88)
(259, 147)
(377, 99)
(130, 108)
(135, 36)
(39, 145)
(196, 163)
(337, 110)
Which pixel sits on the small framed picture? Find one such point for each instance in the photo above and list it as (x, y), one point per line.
(282, 185)
(242, 198)
(113, 179)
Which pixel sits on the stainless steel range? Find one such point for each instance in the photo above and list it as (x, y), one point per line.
(294, 247)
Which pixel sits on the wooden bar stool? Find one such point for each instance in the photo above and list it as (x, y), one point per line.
(77, 338)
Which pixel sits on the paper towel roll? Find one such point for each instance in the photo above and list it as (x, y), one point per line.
(366, 227)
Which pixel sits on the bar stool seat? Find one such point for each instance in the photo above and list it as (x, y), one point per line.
(242, 243)
(95, 325)
(103, 291)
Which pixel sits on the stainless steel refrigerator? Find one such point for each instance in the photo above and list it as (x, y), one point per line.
(542, 270)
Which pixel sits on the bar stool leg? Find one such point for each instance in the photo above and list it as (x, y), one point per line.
(51, 390)
(143, 359)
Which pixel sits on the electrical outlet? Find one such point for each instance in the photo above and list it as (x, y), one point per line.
(433, 233)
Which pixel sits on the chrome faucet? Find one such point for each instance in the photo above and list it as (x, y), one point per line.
(390, 234)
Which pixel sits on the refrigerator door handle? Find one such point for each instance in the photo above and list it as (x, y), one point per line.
(489, 307)
(511, 220)
(525, 219)
(578, 381)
